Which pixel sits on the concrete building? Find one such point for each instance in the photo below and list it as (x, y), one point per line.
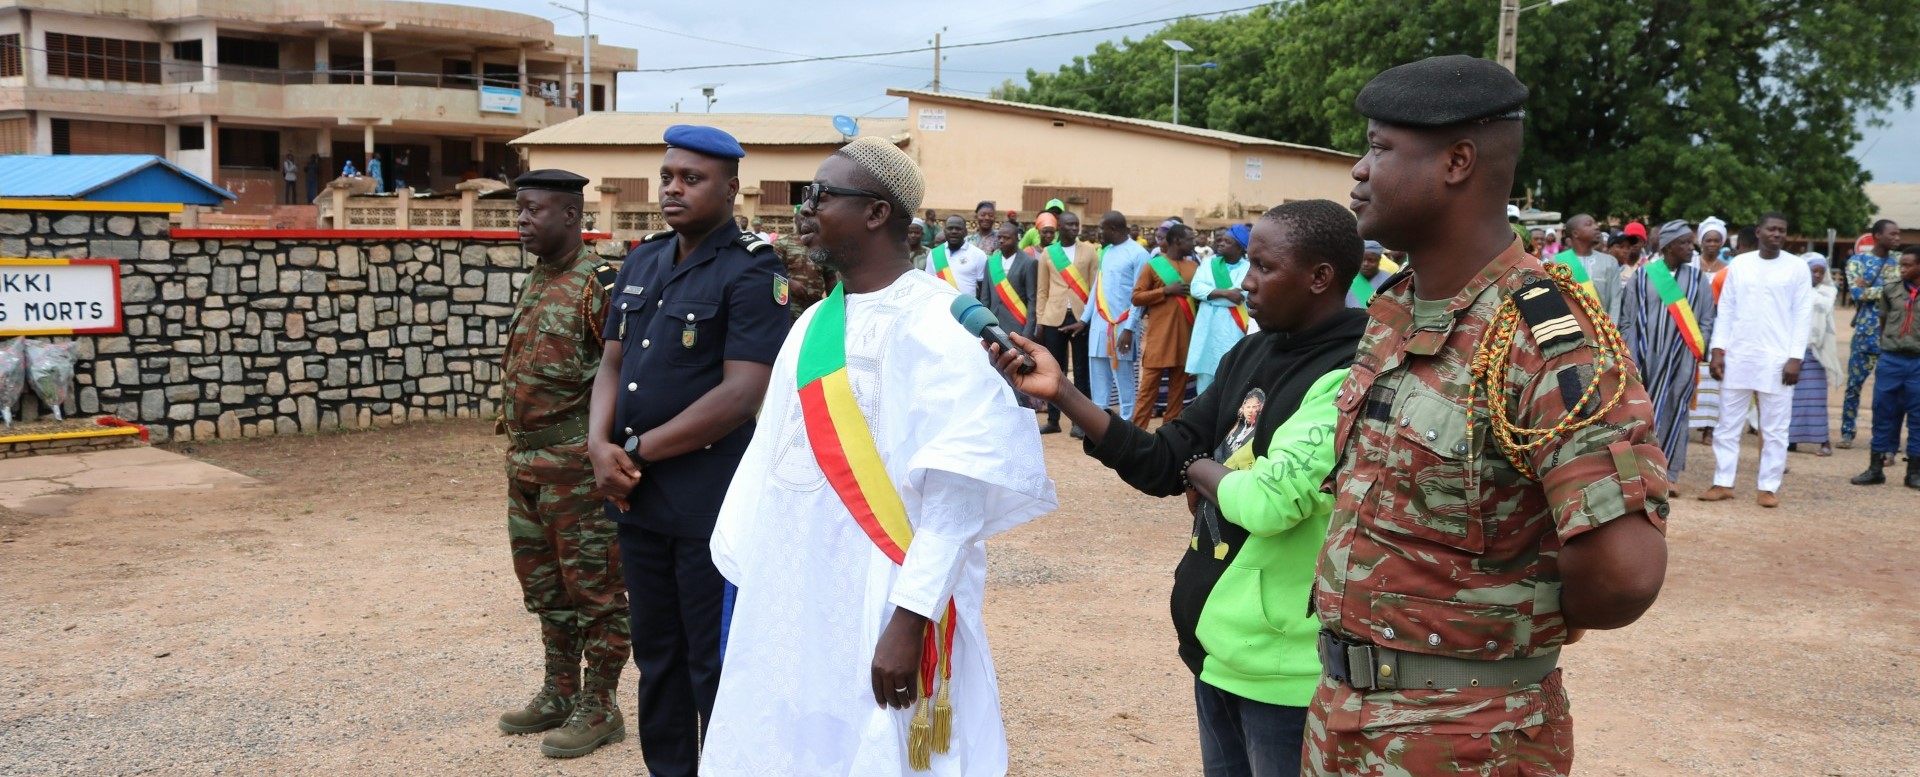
(1899, 202)
(226, 88)
(974, 149)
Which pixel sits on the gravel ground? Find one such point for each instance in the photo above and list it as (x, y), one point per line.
(357, 614)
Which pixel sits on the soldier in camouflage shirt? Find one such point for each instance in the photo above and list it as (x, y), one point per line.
(1459, 561)
(807, 281)
(565, 550)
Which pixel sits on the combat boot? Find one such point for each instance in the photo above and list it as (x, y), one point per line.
(1875, 474)
(595, 722)
(1913, 473)
(550, 708)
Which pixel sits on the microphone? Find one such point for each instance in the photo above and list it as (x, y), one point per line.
(980, 322)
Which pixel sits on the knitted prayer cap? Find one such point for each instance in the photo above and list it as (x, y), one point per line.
(895, 171)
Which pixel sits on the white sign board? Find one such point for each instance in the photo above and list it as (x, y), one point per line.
(933, 120)
(1255, 167)
(499, 99)
(59, 296)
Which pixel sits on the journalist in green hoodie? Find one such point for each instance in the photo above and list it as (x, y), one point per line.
(1250, 454)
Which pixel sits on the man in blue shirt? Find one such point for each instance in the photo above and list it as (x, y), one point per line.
(1110, 318)
(696, 318)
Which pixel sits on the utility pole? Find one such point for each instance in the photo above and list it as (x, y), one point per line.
(936, 62)
(586, 39)
(1508, 43)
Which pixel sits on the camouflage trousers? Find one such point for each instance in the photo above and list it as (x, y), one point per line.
(1428, 744)
(566, 554)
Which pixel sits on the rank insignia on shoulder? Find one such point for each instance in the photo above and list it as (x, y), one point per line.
(752, 242)
(605, 276)
(1552, 322)
(780, 295)
(661, 235)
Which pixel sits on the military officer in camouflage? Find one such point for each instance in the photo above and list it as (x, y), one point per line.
(565, 550)
(1499, 489)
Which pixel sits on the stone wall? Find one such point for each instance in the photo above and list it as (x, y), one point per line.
(242, 336)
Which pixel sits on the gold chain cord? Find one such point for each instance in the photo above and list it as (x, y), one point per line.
(1493, 359)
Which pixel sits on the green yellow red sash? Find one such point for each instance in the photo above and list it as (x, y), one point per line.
(1223, 279)
(843, 444)
(1068, 273)
(1676, 302)
(1362, 290)
(1106, 313)
(1003, 289)
(1579, 270)
(938, 261)
(1170, 276)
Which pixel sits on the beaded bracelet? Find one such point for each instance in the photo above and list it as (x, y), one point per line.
(1185, 484)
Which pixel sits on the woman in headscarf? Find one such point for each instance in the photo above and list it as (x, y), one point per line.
(1706, 395)
(1222, 319)
(1809, 423)
(1665, 315)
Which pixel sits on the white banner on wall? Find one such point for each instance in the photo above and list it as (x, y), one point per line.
(59, 296)
(933, 119)
(499, 99)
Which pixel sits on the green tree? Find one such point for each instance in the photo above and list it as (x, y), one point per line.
(1640, 108)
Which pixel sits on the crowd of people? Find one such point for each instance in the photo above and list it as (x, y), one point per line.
(1419, 461)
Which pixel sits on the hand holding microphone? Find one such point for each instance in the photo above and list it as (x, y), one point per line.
(980, 322)
(1026, 365)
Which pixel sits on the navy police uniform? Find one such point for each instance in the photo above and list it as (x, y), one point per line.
(677, 324)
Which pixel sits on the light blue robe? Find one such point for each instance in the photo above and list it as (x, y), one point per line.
(1214, 332)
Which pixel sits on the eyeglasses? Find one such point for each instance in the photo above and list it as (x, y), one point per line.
(810, 195)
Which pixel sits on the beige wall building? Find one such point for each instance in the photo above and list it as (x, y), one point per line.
(973, 149)
(225, 88)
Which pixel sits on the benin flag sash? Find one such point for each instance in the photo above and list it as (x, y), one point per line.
(1676, 302)
(1106, 313)
(1362, 289)
(1579, 270)
(1223, 279)
(1170, 276)
(1068, 272)
(1003, 289)
(843, 444)
(938, 261)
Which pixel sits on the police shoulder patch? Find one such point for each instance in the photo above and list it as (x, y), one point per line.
(1552, 322)
(752, 242)
(780, 290)
(661, 235)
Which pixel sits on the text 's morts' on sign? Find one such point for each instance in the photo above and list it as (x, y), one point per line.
(59, 296)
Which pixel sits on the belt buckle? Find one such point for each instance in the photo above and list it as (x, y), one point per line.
(1369, 658)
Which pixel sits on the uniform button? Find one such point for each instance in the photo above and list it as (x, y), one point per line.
(623, 306)
(646, 343)
(1492, 645)
(1386, 633)
(629, 431)
(1405, 420)
(658, 303)
(689, 316)
(1433, 639)
(1432, 435)
(633, 387)
(1460, 448)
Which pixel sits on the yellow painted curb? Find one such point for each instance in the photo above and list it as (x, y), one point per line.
(105, 431)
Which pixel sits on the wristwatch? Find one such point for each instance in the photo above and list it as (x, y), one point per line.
(633, 452)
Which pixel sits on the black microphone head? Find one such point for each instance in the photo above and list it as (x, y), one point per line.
(972, 314)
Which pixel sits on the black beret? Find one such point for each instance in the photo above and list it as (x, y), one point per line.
(1439, 91)
(551, 180)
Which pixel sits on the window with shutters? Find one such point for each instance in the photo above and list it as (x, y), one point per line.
(10, 55)
(75, 136)
(250, 148)
(1079, 199)
(779, 193)
(14, 137)
(103, 59)
(631, 189)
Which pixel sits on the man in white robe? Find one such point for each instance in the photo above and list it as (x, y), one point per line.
(821, 671)
(1759, 336)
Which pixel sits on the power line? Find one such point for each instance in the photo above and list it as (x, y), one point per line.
(922, 49)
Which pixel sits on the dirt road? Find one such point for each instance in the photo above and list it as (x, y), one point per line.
(356, 614)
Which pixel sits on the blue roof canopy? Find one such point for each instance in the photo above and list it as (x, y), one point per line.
(105, 178)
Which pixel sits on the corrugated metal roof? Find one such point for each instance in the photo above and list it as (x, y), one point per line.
(73, 177)
(751, 129)
(1897, 201)
(1159, 127)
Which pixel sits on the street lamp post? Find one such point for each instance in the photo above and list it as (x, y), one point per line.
(1508, 44)
(1180, 46)
(586, 41)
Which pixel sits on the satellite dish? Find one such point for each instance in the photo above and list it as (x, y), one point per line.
(846, 125)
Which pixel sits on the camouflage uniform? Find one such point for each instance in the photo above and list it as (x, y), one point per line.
(1439, 547)
(565, 551)
(807, 282)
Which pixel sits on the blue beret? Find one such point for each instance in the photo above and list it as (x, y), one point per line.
(704, 140)
(1440, 91)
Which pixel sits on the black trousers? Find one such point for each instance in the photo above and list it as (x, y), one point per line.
(1059, 344)
(674, 596)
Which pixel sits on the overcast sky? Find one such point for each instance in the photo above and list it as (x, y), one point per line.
(702, 33)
